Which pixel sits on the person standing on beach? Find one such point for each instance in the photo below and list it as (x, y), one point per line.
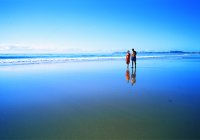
(133, 57)
(128, 58)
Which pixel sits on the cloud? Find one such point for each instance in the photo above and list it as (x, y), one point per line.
(13, 48)
(20, 48)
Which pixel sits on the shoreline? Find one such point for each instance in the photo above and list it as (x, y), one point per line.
(19, 60)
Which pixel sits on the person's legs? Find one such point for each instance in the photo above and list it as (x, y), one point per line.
(135, 63)
(132, 64)
(127, 64)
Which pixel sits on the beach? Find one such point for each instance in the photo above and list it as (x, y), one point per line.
(94, 100)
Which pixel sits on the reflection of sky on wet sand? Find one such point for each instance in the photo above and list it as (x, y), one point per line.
(92, 100)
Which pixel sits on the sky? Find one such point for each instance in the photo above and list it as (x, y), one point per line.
(65, 26)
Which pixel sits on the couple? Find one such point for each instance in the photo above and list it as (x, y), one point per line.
(132, 56)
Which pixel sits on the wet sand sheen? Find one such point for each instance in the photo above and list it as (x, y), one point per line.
(93, 100)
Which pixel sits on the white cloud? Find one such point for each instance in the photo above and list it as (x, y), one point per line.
(12, 48)
(21, 48)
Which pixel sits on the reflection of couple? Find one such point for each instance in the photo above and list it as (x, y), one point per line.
(133, 76)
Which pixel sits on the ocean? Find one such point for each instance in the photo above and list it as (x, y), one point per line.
(21, 59)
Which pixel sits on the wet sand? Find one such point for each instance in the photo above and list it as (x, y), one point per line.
(101, 100)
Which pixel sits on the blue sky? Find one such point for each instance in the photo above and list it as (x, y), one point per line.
(58, 26)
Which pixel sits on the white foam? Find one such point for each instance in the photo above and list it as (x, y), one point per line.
(52, 60)
(93, 58)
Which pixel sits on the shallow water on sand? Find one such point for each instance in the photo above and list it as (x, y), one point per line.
(94, 100)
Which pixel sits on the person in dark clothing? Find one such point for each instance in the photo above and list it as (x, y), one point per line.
(133, 57)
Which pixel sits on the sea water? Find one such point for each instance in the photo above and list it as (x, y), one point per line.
(17, 59)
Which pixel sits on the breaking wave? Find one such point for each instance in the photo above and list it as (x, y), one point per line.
(21, 59)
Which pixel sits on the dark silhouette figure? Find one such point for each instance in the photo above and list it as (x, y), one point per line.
(133, 76)
(133, 57)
